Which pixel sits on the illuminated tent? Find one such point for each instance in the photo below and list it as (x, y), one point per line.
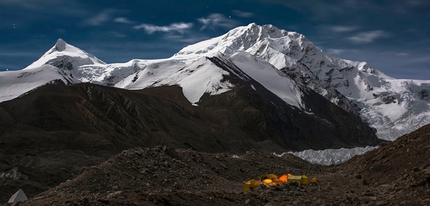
(300, 180)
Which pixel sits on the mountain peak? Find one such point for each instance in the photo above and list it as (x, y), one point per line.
(60, 45)
(62, 54)
(252, 24)
(238, 39)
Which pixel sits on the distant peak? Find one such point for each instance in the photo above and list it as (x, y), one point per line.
(252, 24)
(60, 45)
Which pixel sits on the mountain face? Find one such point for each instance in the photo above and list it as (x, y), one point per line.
(283, 108)
(285, 63)
(394, 107)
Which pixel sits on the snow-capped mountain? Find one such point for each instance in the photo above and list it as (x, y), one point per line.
(66, 56)
(16, 83)
(83, 66)
(394, 107)
(285, 63)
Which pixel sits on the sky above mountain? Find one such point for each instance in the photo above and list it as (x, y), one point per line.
(391, 35)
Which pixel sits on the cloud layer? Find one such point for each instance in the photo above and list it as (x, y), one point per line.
(175, 27)
(217, 20)
(368, 37)
(122, 20)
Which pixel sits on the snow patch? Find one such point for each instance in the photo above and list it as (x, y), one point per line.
(269, 77)
(197, 79)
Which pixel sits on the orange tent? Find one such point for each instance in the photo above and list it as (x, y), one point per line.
(283, 178)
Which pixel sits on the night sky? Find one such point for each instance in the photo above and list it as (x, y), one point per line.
(391, 35)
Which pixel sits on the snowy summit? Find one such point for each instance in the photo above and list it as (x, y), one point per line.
(283, 62)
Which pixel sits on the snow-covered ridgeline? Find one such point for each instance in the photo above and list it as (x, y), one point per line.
(16, 83)
(275, 58)
(394, 107)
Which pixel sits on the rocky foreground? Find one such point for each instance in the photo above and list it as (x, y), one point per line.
(397, 173)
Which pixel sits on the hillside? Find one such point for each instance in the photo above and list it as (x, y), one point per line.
(47, 135)
(164, 176)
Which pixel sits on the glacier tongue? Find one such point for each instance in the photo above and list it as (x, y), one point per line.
(331, 156)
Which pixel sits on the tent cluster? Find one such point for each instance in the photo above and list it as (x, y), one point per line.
(271, 180)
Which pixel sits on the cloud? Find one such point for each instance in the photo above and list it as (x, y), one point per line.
(243, 14)
(175, 27)
(189, 38)
(122, 20)
(217, 20)
(340, 29)
(101, 18)
(368, 37)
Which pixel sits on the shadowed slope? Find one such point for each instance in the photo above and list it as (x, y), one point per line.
(47, 135)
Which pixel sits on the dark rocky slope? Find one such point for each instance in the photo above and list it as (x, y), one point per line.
(47, 135)
(321, 125)
(400, 169)
(164, 176)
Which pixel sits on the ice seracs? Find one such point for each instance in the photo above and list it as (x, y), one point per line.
(331, 156)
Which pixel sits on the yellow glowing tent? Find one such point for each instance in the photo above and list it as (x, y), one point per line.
(300, 180)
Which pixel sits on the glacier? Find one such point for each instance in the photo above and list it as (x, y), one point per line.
(330, 156)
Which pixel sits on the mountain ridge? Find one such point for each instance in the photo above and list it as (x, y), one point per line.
(354, 86)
